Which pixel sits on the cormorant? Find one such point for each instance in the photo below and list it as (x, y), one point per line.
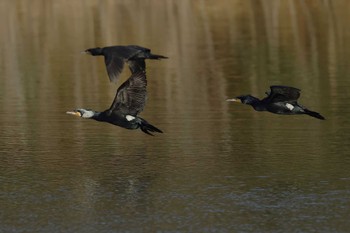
(127, 104)
(116, 56)
(280, 100)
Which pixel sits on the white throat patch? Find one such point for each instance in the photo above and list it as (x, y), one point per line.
(87, 114)
(129, 117)
(289, 106)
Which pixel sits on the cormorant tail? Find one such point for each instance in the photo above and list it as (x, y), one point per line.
(314, 114)
(146, 127)
(156, 57)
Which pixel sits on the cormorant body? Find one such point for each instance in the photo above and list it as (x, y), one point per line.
(129, 101)
(116, 56)
(280, 100)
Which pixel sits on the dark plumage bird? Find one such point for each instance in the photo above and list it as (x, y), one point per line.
(127, 104)
(116, 56)
(280, 100)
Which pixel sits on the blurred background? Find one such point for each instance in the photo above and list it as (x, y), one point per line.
(219, 166)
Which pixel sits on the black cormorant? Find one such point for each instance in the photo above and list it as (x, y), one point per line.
(127, 104)
(116, 56)
(280, 100)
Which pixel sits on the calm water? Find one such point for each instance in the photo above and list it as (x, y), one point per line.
(219, 167)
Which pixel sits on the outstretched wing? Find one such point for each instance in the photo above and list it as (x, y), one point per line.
(131, 95)
(114, 66)
(115, 57)
(282, 94)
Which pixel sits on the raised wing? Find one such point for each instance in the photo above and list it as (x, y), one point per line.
(131, 95)
(282, 94)
(115, 57)
(114, 66)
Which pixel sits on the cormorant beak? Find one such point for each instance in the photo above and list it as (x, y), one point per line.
(85, 52)
(234, 100)
(75, 113)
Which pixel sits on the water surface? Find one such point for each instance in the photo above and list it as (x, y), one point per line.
(218, 167)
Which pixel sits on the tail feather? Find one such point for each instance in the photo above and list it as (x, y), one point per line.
(314, 114)
(146, 127)
(156, 57)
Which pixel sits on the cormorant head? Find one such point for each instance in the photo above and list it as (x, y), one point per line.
(245, 99)
(84, 113)
(94, 51)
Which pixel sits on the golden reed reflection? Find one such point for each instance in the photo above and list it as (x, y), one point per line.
(212, 46)
(216, 48)
(46, 37)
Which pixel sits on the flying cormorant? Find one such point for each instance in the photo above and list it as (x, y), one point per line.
(280, 100)
(116, 56)
(127, 104)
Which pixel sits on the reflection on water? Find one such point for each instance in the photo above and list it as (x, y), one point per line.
(218, 167)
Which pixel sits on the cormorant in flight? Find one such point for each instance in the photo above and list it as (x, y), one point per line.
(116, 56)
(280, 100)
(127, 104)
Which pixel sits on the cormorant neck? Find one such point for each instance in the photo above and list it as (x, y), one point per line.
(96, 116)
(254, 102)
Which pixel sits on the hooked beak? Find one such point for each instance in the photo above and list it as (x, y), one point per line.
(85, 52)
(234, 100)
(75, 113)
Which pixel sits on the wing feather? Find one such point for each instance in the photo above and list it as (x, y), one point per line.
(114, 66)
(131, 95)
(282, 94)
(115, 57)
